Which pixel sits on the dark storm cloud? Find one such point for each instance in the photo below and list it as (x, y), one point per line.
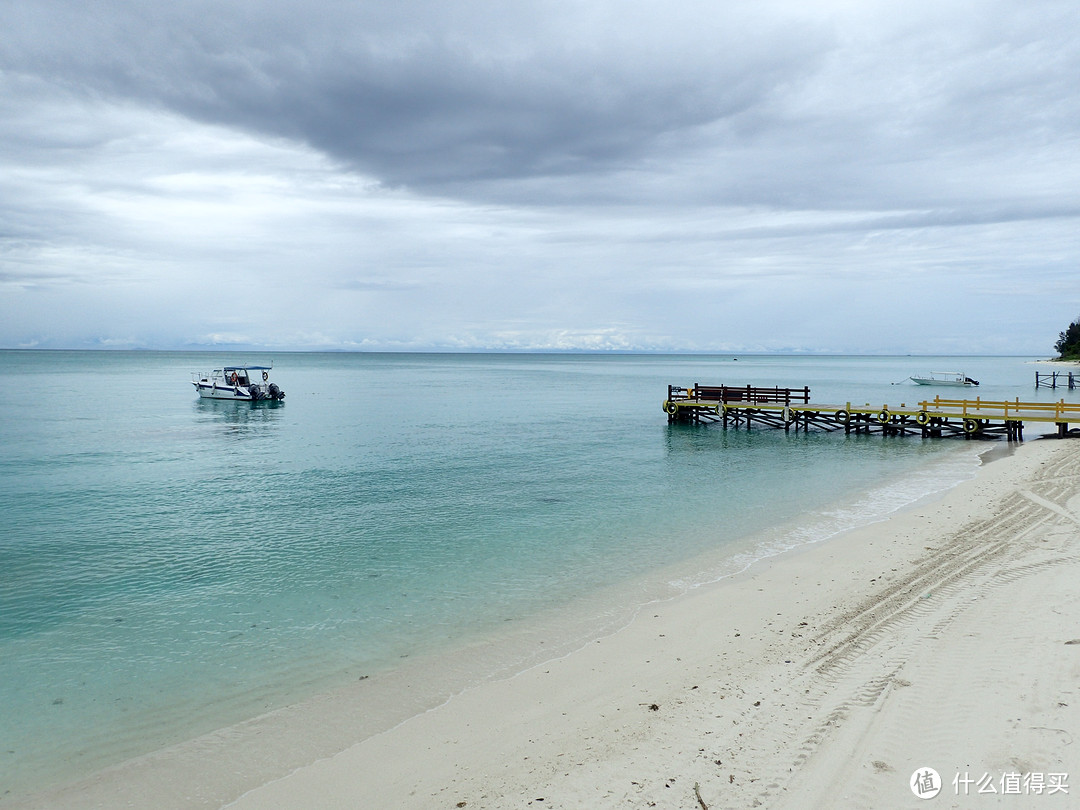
(428, 93)
(724, 102)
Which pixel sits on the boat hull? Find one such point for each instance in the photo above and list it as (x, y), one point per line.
(234, 392)
(955, 379)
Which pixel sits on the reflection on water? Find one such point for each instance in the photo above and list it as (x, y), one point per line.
(236, 413)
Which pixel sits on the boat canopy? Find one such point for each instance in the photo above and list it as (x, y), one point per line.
(247, 368)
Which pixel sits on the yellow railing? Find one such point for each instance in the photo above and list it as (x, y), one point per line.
(1049, 411)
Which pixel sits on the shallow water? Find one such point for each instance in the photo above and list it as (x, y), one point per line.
(171, 565)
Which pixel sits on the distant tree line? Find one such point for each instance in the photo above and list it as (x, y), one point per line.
(1068, 345)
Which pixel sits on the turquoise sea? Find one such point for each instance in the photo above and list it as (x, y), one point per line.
(171, 565)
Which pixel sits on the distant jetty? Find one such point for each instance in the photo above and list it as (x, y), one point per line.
(1054, 378)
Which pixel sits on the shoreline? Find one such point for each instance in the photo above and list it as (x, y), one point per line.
(698, 657)
(944, 637)
(343, 709)
(336, 716)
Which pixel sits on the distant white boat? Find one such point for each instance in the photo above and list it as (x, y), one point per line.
(957, 378)
(243, 383)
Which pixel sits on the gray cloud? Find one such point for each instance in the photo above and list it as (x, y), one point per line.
(430, 93)
(728, 105)
(538, 174)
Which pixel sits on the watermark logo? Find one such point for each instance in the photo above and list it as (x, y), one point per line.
(925, 783)
(1034, 783)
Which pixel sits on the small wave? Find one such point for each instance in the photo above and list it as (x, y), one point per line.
(874, 505)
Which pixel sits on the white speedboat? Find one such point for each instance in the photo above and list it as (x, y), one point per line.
(243, 383)
(944, 378)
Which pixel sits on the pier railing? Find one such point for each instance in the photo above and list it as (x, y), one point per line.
(741, 393)
(1060, 411)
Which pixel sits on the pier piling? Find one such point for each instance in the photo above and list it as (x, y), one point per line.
(1050, 379)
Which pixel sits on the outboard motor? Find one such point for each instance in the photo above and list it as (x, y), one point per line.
(275, 392)
(256, 393)
(970, 381)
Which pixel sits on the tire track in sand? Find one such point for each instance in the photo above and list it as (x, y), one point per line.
(842, 690)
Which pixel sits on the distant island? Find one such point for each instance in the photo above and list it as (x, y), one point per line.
(1068, 345)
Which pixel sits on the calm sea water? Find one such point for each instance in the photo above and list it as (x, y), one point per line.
(169, 565)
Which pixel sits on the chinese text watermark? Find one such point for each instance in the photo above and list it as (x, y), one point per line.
(926, 783)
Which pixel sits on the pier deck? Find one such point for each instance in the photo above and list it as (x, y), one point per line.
(791, 408)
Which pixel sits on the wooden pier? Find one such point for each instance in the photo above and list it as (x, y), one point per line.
(791, 408)
(1050, 380)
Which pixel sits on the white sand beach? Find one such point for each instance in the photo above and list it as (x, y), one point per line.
(945, 638)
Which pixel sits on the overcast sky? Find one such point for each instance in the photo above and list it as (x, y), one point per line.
(575, 174)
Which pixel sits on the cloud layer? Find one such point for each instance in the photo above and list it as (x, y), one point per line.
(706, 176)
